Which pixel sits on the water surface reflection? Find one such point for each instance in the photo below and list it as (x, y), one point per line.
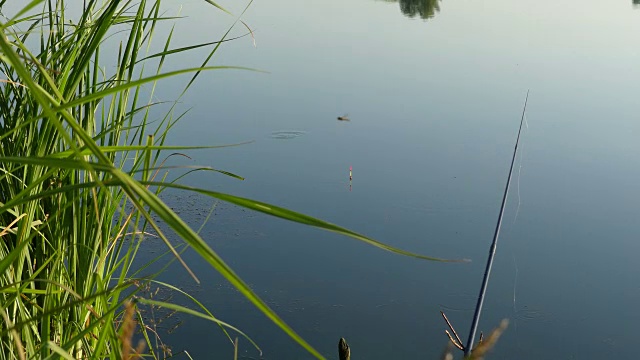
(434, 111)
(426, 9)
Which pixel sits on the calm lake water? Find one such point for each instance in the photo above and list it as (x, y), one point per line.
(434, 105)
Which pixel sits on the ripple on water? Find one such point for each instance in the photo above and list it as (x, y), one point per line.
(286, 134)
(527, 313)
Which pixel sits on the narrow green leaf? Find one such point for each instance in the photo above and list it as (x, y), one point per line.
(201, 315)
(60, 351)
(114, 148)
(11, 257)
(299, 218)
(134, 83)
(218, 6)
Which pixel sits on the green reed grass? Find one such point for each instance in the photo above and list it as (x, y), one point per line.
(81, 168)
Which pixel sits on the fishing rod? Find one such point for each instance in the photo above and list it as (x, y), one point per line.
(492, 250)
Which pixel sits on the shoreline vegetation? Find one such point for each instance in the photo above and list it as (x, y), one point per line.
(82, 166)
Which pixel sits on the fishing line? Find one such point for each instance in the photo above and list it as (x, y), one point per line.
(513, 255)
(519, 175)
(515, 309)
(515, 263)
(515, 282)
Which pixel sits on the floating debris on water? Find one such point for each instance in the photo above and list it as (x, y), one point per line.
(286, 134)
(344, 117)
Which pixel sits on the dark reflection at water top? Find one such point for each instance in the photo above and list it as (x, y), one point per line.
(426, 9)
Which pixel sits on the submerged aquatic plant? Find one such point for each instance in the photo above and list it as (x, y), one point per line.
(81, 168)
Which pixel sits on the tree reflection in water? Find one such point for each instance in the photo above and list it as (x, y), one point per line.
(426, 9)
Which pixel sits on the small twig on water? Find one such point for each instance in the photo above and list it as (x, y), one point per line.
(456, 342)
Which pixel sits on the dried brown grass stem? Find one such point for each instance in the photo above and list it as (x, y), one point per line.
(127, 329)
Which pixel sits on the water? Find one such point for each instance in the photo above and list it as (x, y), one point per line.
(434, 106)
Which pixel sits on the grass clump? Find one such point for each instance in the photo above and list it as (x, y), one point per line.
(81, 167)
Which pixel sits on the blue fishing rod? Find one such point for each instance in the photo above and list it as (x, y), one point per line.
(492, 250)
